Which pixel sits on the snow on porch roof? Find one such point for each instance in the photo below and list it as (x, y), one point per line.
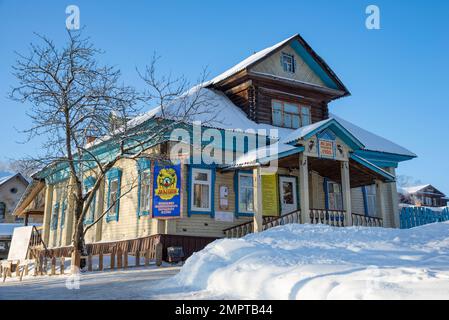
(372, 141)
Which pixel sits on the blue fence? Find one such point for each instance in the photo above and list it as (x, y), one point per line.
(417, 216)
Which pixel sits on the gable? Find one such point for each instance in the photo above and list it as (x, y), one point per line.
(271, 65)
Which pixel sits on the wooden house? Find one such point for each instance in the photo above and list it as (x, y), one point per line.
(422, 195)
(316, 168)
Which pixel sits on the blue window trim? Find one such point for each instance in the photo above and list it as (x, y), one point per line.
(237, 194)
(190, 210)
(326, 193)
(63, 208)
(143, 165)
(89, 182)
(114, 174)
(54, 216)
(365, 200)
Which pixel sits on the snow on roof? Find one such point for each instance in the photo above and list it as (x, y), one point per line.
(265, 152)
(218, 111)
(214, 110)
(6, 178)
(248, 61)
(372, 141)
(414, 189)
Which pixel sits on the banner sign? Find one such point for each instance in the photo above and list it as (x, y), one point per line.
(270, 201)
(167, 191)
(326, 148)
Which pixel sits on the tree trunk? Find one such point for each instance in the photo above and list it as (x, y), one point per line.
(78, 233)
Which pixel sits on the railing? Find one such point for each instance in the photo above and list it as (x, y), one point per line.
(240, 230)
(417, 216)
(243, 229)
(360, 220)
(334, 218)
(292, 217)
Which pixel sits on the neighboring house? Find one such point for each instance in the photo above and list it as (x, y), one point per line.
(31, 206)
(329, 170)
(6, 232)
(11, 189)
(422, 195)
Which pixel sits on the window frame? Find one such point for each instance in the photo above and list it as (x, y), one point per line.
(3, 206)
(144, 167)
(208, 183)
(114, 174)
(88, 184)
(191, 209)
(300, 107)
(292, 62)
(237, 188)
(327, 183)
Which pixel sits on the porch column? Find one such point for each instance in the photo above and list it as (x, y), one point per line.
(304, 188)
(380, 203)
(392, 188)
(257, 219)
(346, 189)
(47, 213)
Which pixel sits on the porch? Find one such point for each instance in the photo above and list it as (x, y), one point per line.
(310, 204)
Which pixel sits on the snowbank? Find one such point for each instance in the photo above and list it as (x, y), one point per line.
(322, 262)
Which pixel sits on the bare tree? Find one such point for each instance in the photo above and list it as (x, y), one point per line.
(75, 100)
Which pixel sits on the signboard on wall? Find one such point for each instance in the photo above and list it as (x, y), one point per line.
(167, 191)
(270, 200)
(326, 148)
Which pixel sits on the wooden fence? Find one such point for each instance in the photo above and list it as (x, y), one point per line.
(417, 216)
(117, 254)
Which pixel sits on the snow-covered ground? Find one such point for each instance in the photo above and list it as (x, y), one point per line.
(322, 262)
(287, 262)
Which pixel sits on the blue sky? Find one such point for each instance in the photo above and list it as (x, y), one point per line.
(398, 76)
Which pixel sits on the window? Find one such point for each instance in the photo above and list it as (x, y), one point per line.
(13, 190)
(63, 209)
(288, 62)
(55, 210)
(335, 199)
(144, 192)
(290, 115)
(245, 193)
(113, 203)
(54, 216)
(370, 194)
(88, 185)
(202, 189)
(2, 211)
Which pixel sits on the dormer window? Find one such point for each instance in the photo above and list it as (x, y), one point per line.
(288, 62)
(290, 115)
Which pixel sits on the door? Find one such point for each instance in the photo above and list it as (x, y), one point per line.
(288, 194)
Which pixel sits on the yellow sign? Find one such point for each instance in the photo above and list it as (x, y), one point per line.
(270, 199)
(166, 184)
(326, 148)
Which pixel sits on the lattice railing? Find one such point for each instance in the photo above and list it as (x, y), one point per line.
(361, 220)
(336, 218)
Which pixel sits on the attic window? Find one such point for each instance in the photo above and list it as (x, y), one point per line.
(288, 62)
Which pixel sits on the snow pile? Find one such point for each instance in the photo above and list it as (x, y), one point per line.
(322, 262)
